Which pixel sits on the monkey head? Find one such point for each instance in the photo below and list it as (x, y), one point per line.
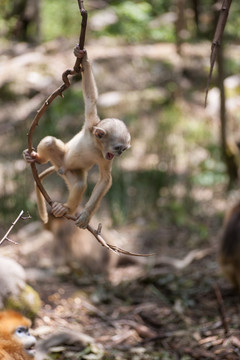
(28, 341)
(17, 326)
(112, 137)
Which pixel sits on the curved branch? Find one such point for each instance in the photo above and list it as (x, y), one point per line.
(40, 112)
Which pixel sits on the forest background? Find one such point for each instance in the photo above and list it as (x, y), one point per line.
(172, 188)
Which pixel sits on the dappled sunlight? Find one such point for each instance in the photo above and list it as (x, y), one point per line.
(170, 190)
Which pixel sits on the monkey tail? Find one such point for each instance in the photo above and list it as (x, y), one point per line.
(66, 337)
(41, 204)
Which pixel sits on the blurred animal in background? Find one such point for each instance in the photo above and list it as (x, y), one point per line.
(229, 252)
(98, 143)
(16, 343)
(12, 279)
(15, 292)
(66, 339)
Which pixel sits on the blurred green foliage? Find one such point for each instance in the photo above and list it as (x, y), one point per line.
(135, 23)
(131, 197)
(136, 20)
(60, 18)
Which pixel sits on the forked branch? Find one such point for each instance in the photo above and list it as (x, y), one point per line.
(20, 216)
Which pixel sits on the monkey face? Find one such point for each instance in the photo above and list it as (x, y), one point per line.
(28, 341)
(113, 137)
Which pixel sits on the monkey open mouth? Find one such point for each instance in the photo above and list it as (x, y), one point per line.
(109, 156)
(31, 351)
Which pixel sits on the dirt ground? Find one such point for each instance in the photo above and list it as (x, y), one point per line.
(166, 307)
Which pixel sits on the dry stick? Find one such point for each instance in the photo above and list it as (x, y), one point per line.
(11, 227)
(41, 111)
(217, 40)
(221, 308)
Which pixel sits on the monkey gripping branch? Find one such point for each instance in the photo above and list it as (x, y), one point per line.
(107, 138)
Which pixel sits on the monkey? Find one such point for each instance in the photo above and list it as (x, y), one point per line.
(229, 251)
(16, 343)
(98, 142)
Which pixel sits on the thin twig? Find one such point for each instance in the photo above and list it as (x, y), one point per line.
(221, 308)
(100, 239)
(12, 226)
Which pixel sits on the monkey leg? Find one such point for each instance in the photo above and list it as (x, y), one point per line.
(92, 205)
(77, 184)
(51, 149)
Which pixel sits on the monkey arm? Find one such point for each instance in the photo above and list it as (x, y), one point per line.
(90, 92)
(102, 186)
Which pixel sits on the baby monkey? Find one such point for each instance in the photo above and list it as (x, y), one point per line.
(98, 142)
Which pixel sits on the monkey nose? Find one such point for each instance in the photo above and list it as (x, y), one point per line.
(118, 149)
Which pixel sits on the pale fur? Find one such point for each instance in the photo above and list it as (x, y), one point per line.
(97, 143)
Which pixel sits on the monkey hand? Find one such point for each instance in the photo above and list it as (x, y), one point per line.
(30, 157)
(79, 53)
(83, 219)
(58, 209)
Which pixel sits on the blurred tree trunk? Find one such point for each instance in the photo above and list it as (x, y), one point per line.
(179, 24)
(27, 12)
(195, 5)
(227, 154)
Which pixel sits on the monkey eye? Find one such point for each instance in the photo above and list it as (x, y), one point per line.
(21, 330)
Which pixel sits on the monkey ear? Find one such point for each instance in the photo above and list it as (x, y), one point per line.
(99, 132)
